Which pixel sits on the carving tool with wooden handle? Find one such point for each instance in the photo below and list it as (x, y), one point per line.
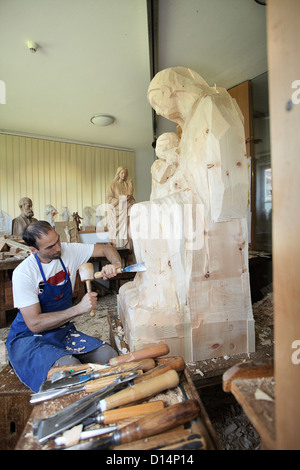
(154, 423)
(88, 387)
(134, 268)
(58, 373)
(112, 417)
(145, 353)
(94, 403)
(119, 414)
(171, 363)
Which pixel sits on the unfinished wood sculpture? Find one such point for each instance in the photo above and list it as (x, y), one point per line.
(120, 199)
(192, 235)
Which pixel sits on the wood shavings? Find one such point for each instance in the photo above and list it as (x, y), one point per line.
(260, 395)
(72, 436)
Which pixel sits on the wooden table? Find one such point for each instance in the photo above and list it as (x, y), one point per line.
(253, 386)
(6, 300)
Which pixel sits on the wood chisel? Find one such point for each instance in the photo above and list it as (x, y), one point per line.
(57, 373)
(119, 414)
(134, 268)
(95, 403)
(154, 423)
(70, 378)
(89, 387)
(114, 416)
(145, 353)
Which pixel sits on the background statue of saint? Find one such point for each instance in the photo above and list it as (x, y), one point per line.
(120, 199)
(25, 218)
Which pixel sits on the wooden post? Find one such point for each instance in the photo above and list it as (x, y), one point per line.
(284, 69)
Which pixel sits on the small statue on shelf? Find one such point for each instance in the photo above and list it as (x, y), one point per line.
(120, 199)
(77, 219)
(50, 213)
(25, 218)
(65, 215)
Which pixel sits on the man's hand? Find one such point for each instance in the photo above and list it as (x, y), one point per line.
(88, 302)
(108, 271)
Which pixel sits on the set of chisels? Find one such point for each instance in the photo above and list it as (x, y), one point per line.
(112, 393)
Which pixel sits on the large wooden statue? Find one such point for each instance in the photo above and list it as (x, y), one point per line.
(120, 199)
(25, 218)
(192, 235)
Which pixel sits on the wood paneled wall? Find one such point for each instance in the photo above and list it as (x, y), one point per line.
(57, 173)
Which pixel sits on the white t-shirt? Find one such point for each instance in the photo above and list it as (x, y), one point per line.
(28, 282)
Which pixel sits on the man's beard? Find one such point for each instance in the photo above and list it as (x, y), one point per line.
(29, 214)
(56, 255)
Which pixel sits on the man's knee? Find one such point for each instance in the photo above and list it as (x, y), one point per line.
(100, 355)
(67, 360)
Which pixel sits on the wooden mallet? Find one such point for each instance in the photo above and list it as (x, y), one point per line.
(86, 272)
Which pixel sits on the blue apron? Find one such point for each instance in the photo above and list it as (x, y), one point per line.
(32, 355)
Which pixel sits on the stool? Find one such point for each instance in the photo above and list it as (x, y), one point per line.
(15, 408)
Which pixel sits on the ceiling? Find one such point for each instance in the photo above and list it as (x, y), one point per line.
(94, 56)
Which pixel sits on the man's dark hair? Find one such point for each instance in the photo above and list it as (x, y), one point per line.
(34, 231)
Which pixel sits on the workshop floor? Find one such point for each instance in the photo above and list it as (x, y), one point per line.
(230, 423)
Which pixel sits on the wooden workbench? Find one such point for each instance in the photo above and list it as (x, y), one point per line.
(6, 299)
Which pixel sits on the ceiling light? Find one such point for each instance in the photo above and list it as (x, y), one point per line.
(32, 46)
(102, 120)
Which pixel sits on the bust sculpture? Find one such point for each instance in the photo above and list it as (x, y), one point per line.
(25, 218)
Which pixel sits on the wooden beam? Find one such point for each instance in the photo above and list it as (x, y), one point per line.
(284, 69)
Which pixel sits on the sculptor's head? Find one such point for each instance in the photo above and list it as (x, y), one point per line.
(171, 91)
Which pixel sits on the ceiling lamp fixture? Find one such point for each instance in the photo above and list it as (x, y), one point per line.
(102, 120)
(32, 46)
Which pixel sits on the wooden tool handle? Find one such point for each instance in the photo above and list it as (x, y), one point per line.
(160, 421)
(176, 363)
(99, 275)
(151, 352)
(94, 385)
(144, 365)
(141, 390)
(113, 416)
(89, 289)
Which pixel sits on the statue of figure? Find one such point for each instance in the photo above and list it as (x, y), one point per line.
(50, 213)
(88, 213)
(195, 292)
(77, 219)
(164, 179)
(65, 215)
(25, 218)
(120, 199)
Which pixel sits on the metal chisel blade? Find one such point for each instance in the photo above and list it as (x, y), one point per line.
(77, 411)
(134, 268)
(67, 382)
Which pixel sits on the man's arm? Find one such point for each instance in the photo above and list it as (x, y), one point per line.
(37, 322)
(110, 253)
